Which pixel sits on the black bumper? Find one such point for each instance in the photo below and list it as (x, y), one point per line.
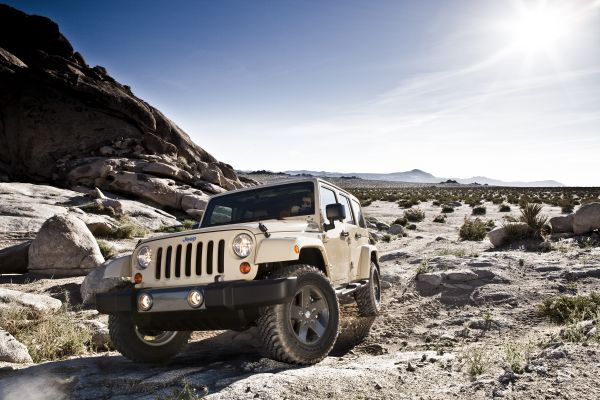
(218, 297)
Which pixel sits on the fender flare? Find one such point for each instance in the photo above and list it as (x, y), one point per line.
(366, 255)
(283, 249)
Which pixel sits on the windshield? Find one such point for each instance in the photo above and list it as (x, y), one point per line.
(276, 202)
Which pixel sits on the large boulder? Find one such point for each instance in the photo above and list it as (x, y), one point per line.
(14, 259)
(64, 246)
(562, 224)
(508, 233)
(36, 302)
(586, 218)
(11, 350)
(66, 122)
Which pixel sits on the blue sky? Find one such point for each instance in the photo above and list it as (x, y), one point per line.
(506, 89)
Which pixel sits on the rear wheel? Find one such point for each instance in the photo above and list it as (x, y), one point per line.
(368, 297)
(304, 330)
(143, 345)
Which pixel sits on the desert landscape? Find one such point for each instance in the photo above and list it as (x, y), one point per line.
(489, 292)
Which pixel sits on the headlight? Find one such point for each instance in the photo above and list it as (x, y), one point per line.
(242, 245)
(144, 257)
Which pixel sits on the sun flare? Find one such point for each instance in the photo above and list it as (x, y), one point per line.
(540, 28)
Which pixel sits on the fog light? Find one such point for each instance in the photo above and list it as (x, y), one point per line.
(137, 278)
(195, 298)
(245, 267)
(145, 302)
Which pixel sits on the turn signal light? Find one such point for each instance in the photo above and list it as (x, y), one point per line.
(296, 249)
(245, 267)
(137, 278)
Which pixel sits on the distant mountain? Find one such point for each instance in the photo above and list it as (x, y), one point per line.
(420, 176)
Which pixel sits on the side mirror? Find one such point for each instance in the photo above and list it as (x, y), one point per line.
(334, 212)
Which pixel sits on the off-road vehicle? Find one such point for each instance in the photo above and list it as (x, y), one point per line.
(275, 256)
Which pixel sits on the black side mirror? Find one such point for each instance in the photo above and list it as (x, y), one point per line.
(334, 212)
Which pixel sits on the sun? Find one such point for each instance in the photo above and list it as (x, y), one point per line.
(540, 26)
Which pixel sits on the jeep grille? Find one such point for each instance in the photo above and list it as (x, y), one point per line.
(177, 261)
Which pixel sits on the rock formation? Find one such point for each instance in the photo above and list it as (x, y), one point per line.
(66, 123)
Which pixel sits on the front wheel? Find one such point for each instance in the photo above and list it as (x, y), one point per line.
(368, 298)
(304, 330)
(146, 346)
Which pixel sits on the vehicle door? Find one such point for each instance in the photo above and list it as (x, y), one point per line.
(359, 238)
(334, 240)
(352, 233)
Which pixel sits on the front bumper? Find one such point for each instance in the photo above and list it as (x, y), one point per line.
(218, 297)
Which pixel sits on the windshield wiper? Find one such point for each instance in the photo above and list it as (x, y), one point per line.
(264, 229)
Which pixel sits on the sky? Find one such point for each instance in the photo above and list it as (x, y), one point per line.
(508, 89)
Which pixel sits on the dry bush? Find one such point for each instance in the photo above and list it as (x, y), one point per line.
(47, 335)
(479, 210)
(473, 229)
(414, 214)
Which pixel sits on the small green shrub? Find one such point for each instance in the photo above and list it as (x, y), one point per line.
(401, 221)
(514, 358)
(129, 230)
(446, 209)
(414, 215)
(473, 229)
(504, 208)
(564, 309)
(479, 210)
(423, 267)
(476, 362)
(531, 214)
(440, 219)
(107, 249)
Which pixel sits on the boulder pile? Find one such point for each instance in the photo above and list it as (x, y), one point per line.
(585, 220)
(67, 123)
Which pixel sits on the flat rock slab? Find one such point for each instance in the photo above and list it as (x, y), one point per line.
(11, 350)
(37, 302)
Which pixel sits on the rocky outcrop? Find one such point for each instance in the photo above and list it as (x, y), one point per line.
(11, 350)
(64, 246)
(586, 218)
(95, 282)
(65, 122)
(36, 302)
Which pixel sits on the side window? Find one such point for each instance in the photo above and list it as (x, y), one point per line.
(346, 203)
(327, 197)
(359, 215)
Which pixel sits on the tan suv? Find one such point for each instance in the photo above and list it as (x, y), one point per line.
(274, 256)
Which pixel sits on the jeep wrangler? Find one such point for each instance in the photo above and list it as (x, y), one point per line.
(275, 256)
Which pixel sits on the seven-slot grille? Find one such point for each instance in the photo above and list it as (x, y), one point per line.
(191, 259)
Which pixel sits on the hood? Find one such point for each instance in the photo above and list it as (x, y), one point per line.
(273, 226)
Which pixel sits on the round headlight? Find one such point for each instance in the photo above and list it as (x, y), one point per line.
(242, 245)
(195, 298)
(144, 257)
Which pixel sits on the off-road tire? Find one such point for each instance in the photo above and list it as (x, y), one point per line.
(368, 298)
(277, 331)
(125, 339)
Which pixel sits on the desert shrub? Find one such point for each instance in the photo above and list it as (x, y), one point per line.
(447, 209)
(107, 249)
(185, 226)
(472, 229)
(497, 200)
(129, 230)
(414, 214)
(514, 358)
(386, 237)
(412, 227)
(517, 231)
(441, 219)
(98, 208)
(531, 214)
(47, 335)
(408, 203)
(504, 208)
(401, 221)
(476, 362)
(479, 210)
(423, 267)
(564, 309)
(435, 203)
(566, 206)
(490, 224)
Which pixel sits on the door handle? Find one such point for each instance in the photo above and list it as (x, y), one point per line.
(344, 234)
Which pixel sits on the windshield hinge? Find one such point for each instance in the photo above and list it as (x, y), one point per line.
(264, 229)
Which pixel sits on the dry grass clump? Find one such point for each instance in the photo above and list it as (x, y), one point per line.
(473, 229)
(401, 221)
(504, 208)
(107, 249)
(440, 219)
(479, 210)
(414, 214)
(129, 230)
(564, 309)
(47, 335)
(98, 208)
(447, 209)
(186, 225)
(476, 362)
